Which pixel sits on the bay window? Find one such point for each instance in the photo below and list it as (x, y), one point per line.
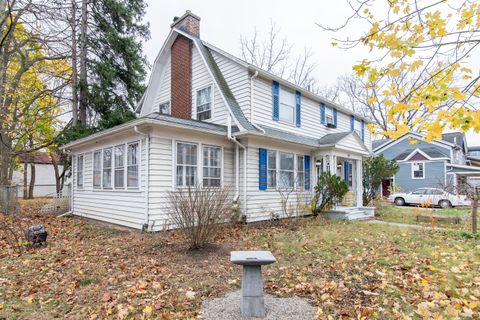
(107, 168)
(287, 172)
(133, 165)
(97, 169)
(119, 161)
(186, 164)
(212, 166)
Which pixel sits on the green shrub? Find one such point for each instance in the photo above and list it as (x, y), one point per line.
(329, 190)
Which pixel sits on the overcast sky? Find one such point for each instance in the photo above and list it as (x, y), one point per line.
(222, 24)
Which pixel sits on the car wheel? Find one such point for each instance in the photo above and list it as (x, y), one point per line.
(399, 202)
(445, 204)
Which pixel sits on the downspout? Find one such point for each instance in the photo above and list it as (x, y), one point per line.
(251, 102)
(147, 178)
(237, 167)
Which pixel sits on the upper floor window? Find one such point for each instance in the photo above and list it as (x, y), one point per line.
(418, 170)
(287, 105)
(186, 164)
(80, 171)
(164, 108)
(329, 116)
(204, 103)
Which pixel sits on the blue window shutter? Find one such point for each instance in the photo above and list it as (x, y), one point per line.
(298, 109)
(322, 113)
(262, 169)
(275, 100)
(335, 117)
(345, 171)
(352, 123)
(363, 130)
(307, 172)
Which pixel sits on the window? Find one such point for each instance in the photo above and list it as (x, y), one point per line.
(80, 171)
(329, 115)
(212, 166)
(287, 105)
(434, 191)
(204, 103)
(286, 177)
(300, 172)
(97, 169)
(164, 108)
(358, 127)
(186, 164)
(133, 161)
(107, 168)
(272, 169)
(119, 161)
(419, 191)
(418, 170)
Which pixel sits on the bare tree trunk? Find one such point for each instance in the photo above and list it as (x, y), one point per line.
(83, 65)
(475, 210)
(73, 25)
(57, 175)
(32, 181)
(25, 180)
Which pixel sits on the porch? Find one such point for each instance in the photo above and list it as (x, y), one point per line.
(343, 156)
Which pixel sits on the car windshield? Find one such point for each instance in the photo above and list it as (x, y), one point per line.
(419, 191)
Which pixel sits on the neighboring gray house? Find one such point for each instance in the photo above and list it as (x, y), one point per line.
(440, 163)
(210, 118)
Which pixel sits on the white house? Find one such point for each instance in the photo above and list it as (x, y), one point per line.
(208, 117)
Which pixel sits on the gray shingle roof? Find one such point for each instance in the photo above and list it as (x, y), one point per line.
(456, 138)
(333, 138)
(187, 122)
(288, 136)
(223, 86)
(431, 152)
(378, 143)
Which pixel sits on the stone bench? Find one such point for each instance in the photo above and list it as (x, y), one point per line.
(252, 303)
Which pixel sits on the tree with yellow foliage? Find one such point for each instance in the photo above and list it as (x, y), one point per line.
(419, 71)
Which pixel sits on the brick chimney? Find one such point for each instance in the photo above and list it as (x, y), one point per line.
(181, 65)
(189, 23)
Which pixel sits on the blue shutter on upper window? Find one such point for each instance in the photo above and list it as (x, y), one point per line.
(363, 130)
(307, 172)
(298, 109)
(322, 113)
(335, 117)
(262, 169)
(352, 123)
(275, 100)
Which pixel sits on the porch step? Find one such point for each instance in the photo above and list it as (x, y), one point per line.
(351, 213)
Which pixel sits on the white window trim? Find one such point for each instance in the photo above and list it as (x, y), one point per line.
(199, 176)
(295, 170)
(93, 169)
(125, 188)
(412, 171)
(83, 171)
(125, 150)
(293, 123)
(212, 108)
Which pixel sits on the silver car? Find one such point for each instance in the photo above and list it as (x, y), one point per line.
(429, 196)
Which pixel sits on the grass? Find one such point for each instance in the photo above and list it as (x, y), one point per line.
(408, 214)
(345, 269)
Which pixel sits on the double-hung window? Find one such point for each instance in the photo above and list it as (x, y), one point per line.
(107, 168)
(133, 161)
(287, 170)
(287, 105)
(186, 164)
(300, 172)
(418, 170)
(204, 103)
(80, 171)
(97, 169)
(119, 161)
(329, 115)
(212, 166)
(272, 169)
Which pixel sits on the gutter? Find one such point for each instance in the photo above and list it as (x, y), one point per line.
(237, 166)
(147, 178)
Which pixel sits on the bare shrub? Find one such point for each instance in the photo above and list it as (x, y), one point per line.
(12, 234)
(197, 212)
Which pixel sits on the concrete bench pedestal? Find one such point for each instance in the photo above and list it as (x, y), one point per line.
(252, 304)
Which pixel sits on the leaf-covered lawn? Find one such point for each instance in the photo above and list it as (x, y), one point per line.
(344, 269)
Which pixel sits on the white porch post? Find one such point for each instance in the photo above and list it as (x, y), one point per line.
(333, 164)
(359, 177)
